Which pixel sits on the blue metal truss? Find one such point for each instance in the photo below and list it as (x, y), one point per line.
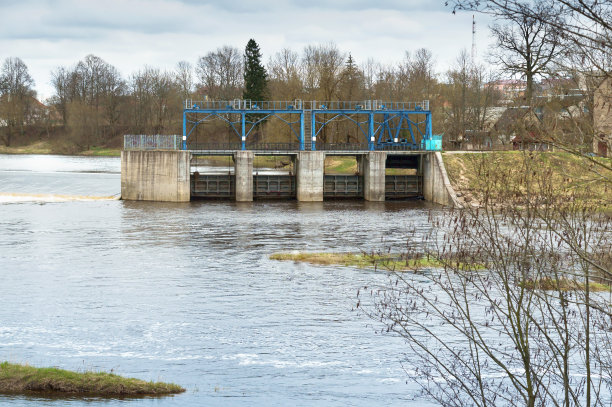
(244, 126)
(389, 130)
(381, 127)
(318, 125)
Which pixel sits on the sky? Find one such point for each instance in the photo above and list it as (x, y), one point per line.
(131, 34)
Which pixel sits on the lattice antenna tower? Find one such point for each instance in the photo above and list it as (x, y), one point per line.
(473, 40)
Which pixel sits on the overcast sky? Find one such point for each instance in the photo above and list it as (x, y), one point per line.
(130, 34)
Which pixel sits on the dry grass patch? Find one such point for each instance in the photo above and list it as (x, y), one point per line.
(387, 261)
(563, 284)
(40, 147)
(499, 175)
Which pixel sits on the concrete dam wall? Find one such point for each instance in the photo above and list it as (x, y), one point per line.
(165, 175)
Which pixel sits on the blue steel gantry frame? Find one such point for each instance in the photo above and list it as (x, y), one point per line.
(379, 123)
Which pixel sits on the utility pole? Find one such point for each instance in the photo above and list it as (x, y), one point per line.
(473, 40)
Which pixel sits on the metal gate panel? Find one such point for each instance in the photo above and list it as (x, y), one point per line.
(274, 186)
(213, 186)
(343, 186)
(403, 186)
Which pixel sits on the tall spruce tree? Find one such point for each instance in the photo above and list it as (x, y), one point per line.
(255, 77)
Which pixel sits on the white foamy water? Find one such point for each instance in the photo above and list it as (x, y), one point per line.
(22, 197)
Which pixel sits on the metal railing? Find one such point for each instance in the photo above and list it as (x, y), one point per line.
(292, 147)
(363, 146)
(398, 147)
(342, 146)
(152, 142)
(238, 146)
(299, 105)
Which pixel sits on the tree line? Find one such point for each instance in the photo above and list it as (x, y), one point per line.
(93, 104)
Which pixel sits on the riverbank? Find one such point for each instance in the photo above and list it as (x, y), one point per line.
(45, 147)
(16, 378)
(476, 177)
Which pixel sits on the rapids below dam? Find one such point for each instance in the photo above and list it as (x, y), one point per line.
(186, 292)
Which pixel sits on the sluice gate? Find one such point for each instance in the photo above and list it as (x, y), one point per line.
(403, 186)
(343, 186)
(273, 186)
(224, 186)
(213, 186)
(283, 186)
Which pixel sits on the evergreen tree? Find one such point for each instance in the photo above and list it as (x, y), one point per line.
(351, 81)
(255, 77)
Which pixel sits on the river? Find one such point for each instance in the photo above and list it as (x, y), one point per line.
(186, 292)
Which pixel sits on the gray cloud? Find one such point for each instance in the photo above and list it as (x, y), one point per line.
(133, 33)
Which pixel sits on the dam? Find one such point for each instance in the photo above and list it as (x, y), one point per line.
(390, 135)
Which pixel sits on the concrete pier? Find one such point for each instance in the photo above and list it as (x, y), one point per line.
(436, 185)
(309, 173)
(243, 169)
(373, 167)
(159, 175)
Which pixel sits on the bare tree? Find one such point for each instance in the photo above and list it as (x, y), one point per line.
(584, 25)
(184, 78)
(220, 73)
(525, 46)
(322, 67)
(285, 75)
(470, 100)
(512, 318)
(370, 69)
(584, 30)
(386, 87)
(60, 79)
(416, 76)
(156, 100)
(93, 83)
(16, 97)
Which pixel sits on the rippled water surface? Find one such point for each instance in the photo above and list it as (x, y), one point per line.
(186, 292)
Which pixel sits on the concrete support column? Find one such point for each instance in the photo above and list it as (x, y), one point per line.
(243, 170)
(360, 160)
(427, 164)
(374, 165)
(158, 175)
(309, 175)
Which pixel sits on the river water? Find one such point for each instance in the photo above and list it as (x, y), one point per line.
(186, 292)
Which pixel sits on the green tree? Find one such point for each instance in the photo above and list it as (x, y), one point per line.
(255, 77)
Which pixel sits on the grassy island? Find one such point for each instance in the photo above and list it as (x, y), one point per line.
(387, 261)
(562, 284)
(16, 378)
